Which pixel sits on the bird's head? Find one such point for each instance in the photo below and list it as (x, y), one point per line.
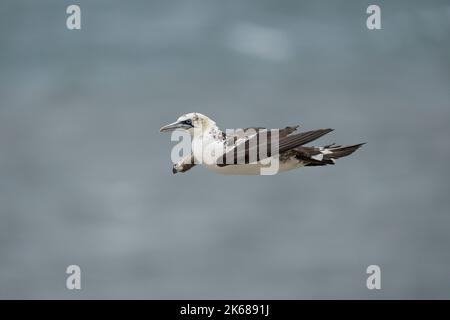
(190, 122)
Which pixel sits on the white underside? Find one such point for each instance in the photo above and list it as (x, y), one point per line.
(254, 169)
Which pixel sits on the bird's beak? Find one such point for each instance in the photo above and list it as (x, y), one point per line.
(172, 126)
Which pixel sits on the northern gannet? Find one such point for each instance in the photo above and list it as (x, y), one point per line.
(251, 151)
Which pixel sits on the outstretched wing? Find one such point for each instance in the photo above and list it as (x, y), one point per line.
(239, 136)
(243, 148)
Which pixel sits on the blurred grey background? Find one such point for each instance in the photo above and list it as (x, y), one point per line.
(85, 176)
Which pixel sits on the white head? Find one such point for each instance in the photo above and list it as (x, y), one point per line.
(190, 122)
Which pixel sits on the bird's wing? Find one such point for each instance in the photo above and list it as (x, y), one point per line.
(241, 151)
(239, 136)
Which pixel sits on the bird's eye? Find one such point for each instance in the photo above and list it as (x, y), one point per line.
(188, 122)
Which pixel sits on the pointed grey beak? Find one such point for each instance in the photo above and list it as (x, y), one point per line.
(171, 127)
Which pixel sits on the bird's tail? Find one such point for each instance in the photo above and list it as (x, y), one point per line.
(328, 154)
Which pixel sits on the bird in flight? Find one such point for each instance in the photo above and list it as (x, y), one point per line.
(251, 151)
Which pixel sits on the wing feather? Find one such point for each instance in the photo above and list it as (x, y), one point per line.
(241, 150)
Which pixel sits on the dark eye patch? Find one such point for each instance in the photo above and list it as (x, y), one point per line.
(188, 122)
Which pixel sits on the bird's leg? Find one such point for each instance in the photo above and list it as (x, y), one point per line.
(184, 164)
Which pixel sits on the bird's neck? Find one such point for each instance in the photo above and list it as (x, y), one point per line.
(205, 142)
(209, 134)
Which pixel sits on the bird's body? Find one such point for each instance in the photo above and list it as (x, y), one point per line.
(241, 152)
(253, 169)
(227, 144)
